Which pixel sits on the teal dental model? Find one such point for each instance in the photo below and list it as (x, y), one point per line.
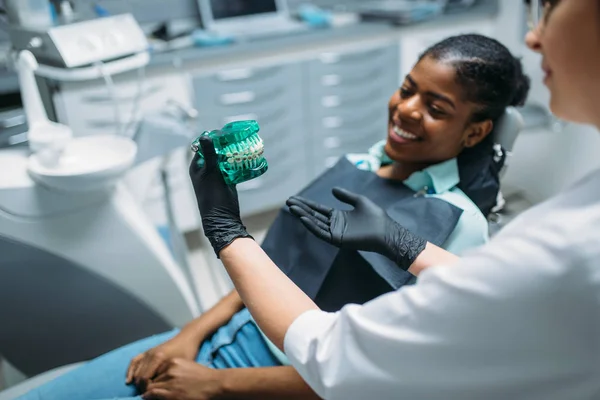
(239, 150)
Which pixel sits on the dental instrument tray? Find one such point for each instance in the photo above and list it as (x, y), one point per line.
(239, 149)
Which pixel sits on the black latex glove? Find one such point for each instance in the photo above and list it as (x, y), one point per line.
(367, 227)
(217, 202)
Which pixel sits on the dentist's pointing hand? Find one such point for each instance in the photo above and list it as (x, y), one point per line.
(367, 227)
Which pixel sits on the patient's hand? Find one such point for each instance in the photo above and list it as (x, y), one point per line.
(181, 379)
(144, 367)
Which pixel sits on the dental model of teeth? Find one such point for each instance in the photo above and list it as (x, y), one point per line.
(239, 149)
(247, 154)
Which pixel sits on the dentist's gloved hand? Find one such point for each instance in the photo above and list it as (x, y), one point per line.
(367, 227)
(217, 202)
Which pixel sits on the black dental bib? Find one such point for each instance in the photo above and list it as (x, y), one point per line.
(334, 277)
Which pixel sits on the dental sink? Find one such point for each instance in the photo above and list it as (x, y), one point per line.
(84, 164)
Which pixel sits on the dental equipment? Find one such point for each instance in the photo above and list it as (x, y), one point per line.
(82, 267)
(81, 44)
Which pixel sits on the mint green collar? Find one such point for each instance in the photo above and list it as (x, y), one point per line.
(438, 178)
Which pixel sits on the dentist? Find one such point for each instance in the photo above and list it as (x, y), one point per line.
(516, 319)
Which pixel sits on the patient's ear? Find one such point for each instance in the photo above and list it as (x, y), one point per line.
(477, 131)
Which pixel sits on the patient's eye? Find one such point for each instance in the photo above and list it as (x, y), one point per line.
(405, 92)
(436, 111)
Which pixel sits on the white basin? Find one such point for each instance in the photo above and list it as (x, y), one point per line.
(85, 164)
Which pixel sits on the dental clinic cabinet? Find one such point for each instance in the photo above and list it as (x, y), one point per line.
(310, 113)
(313, 106)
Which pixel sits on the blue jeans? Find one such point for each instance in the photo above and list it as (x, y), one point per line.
(238, 344)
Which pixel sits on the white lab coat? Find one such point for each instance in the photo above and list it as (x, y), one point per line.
(516, 319)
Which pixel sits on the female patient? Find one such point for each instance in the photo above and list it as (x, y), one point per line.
(438, 129)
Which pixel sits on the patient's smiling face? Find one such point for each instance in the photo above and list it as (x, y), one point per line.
(429, 120)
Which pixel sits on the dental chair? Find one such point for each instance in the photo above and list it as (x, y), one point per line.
(506, 134)
(508, 130)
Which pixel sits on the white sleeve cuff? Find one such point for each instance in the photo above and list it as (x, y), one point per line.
(301, 344)
(300, 333)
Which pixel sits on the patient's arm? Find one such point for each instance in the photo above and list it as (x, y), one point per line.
(432, 255)
(264, 384)
(206, 324)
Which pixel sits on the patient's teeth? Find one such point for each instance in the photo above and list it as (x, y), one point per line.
(404, 134)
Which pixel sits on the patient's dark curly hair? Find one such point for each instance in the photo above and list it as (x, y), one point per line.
(493, 79)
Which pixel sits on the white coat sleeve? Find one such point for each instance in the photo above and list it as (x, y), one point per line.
(484, 329)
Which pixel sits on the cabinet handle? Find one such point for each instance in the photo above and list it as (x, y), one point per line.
(334, 58)
(241, 74)
(329, 58)
(235, 74)
(12, 122)
(238, 98)
(331, 101)
(331, 80)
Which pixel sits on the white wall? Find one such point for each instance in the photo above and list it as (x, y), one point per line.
(546, 162)
(510, 25)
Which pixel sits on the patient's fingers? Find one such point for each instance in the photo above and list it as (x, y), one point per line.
(315, 206)
(150, 367)
(141, 374)
(158, 392)
(132, 368)
(315, 229)
(307, 211)
(162, 376)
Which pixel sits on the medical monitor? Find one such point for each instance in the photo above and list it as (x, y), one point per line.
(215, 13)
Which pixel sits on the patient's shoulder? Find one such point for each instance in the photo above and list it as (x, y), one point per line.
(372, 160)
(472, 229)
